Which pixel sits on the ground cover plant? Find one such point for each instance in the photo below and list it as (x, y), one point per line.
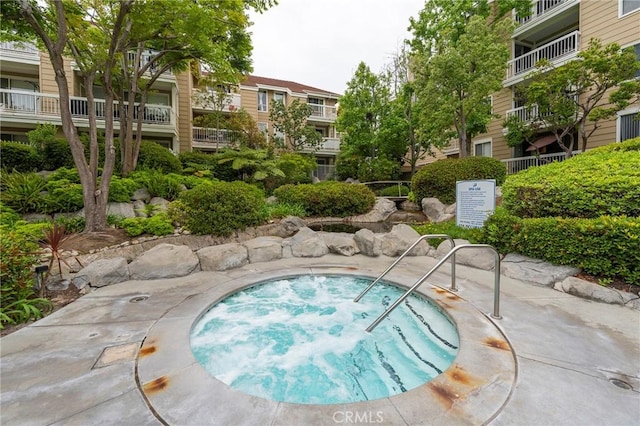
(329, 199)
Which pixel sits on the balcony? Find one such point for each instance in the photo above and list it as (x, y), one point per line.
(324, 171)
(557, 52)
(541, 9)
(452, 148)
(204, 101)
(515, 165)
(208, 138)
(323, 112)
(529, 114)
(37, 106)
(329, 146)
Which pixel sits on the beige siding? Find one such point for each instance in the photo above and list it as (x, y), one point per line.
(47, 76)
(501, 103)
(183, 111)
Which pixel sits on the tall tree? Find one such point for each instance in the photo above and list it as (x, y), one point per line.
(98, 35)
(576, 96)
(291, 120)
(453, 85)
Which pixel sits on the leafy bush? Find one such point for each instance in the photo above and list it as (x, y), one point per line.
(438, 179)
(154, 156)
(193, 162)
(73, 224)
(347, 166)
(220, 208)
(69, 173)
(604, 181)
(121, 189)
(333, 199)
(280, 210)
(8, 216)
(159, 224)
(63, 195)
(56, 153)
(606, 246)
(133, 226)
(379, 168)
(19, 157)
(17, 299)
(159, 184)
(392, 191)
(22, 192)
(451, 229)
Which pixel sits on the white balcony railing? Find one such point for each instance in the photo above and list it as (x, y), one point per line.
(452, 148)
(144, 60)
(47, 105)
(530, 113)
(539, 8)
(324, 171)
(560, 49)
(329, 146)
(12, 46)
(515, 165)
(213, 136)
(323, 111)
(200, 101)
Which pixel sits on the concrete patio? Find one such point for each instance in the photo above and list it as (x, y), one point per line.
(565, 360)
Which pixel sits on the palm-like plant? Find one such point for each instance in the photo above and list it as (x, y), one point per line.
(55, 238)
(256, 163)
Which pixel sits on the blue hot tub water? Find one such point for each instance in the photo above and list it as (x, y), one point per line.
(303, 340)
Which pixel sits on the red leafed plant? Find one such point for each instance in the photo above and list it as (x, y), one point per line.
(56, 239)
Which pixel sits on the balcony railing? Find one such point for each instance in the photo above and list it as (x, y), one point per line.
(47, 105)
(12, 46)
(213, 136)
(323, 111)
(452, 148)
(515, 165)
(200, 101)
(328, 146)
(530, 113)
(539, 8)
(559, 49)
(144, 59)
(324, 171)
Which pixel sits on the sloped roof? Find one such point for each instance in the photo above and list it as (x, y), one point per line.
(254, 80)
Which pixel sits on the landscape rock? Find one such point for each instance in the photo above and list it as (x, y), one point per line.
(433, 209)
(290, 225)
(450, 209)
(400, 238)
(141, 194)
(37, 217)
(121, 209)
(592, 291)
(139, 208)
(368, 243)
(164, 261)
(264, 249)
(161, 204)
(381, 210)
(222, 257)
(535, 271)
(57, 284)
(102, 272)
(307, 243)
(340, 243)
(480, 258)
(409, 206)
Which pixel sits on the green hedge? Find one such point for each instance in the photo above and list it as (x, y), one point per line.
(154, 156)
(19, 157)
(220, 208)
(438, 179)
(329, 199)
(604, 181)
(606, 246)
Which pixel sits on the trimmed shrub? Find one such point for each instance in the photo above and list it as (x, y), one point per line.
(159, 184)
(331, 199)
(604, 181)
(19, 157)
(121, 189)
(154, 156)
(347, 167)
(195, 161)
(392, 191)
(438, 179)
(220, 208)
(604, 246)
(71, 174)
(22, 192)
(63, 195)
(56, 153)
(8, 216)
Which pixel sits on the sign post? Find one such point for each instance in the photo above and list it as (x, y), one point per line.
(475, 201)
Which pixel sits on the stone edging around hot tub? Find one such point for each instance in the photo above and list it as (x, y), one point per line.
(178, 389)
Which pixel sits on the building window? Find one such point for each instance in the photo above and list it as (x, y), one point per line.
(262, 100)
(264, 128)
(279, 97)
(628, 124)
(636, 47)
(317, 106)
(628, 6)
(482, 148)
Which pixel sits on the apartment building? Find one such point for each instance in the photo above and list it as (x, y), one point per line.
(254, 95)
(556, 30)
(29, 96)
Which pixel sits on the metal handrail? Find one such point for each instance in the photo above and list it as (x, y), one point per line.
(406, 252)
(496, 290)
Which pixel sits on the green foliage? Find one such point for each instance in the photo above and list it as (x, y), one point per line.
(154, 156)
(63, 195)
(73, 224)
(8, 216)
(133, 226)
(121, 189)
(297, 168)
(347, 166)
(19, 157)
(438, 179)
(17, 299)
(291, 120)
(378, 168)
(220, 208)
(159, 184)
(451, 229)
(160, 224)
(280, 210)
(70, 174)
(605, 246)
(22, 192)
(604, 181)
(194, 162)
(393, 191)
(55, 152)
(331, 199)
(257, 165)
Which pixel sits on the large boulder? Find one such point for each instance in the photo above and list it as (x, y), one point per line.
(289, 226)
(164, 261)
(400, 238)
(141, 194)
(102, 272)
(264, 249)
(140, 208)
(121, 209)
(340, 243)
(368, 243)
(222, 257)
(382, 209)
(481, 258)
(535, 271)
(306, 243)
(160, 204)
(593, 291)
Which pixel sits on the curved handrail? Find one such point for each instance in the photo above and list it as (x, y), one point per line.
(496, 289)
(406, 252)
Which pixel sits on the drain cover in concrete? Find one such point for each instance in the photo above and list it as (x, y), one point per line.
(117, 354)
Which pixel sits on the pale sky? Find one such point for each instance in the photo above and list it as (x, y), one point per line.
(321, 42)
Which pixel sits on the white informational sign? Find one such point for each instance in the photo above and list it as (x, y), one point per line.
(475, 201)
